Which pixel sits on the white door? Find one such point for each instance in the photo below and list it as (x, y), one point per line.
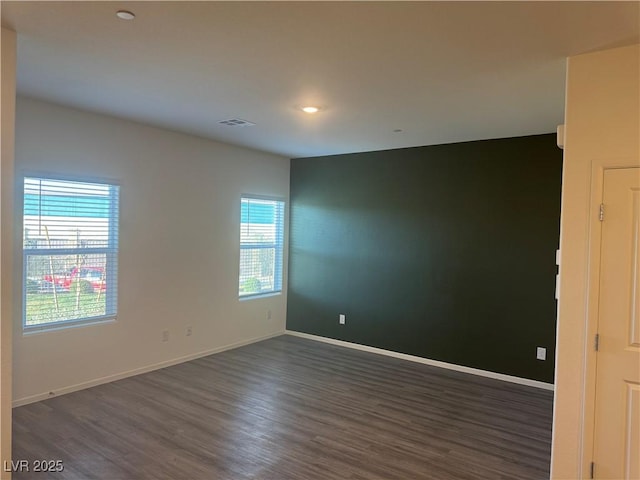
(617, 409)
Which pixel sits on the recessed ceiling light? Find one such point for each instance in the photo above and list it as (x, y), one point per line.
(125, 15)
(310, 109)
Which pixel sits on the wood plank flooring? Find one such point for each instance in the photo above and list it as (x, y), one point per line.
(291, 408)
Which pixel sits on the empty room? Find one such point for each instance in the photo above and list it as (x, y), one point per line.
(320, 240)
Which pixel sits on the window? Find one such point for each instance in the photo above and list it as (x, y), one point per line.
(70, 252)
(261, 245)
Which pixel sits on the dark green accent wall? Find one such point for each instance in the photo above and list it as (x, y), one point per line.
(445, 252)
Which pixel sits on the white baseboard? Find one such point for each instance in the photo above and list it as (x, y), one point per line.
(426, 361)
(167, 363)
(137, 371)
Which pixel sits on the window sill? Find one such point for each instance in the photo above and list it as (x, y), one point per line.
(36, 329)
(259, 295)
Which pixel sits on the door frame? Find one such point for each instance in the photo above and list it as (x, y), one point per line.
(598, 168)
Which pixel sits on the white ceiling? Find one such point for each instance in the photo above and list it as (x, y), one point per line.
(439, 71)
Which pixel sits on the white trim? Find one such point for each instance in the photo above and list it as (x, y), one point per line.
(149, 368)
(426, 361)
(594, 245)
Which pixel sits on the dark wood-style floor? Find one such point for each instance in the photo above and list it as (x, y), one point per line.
(290, 408)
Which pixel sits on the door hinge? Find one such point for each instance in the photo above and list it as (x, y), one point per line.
(601, 214)
(592, 470)
(596, 342)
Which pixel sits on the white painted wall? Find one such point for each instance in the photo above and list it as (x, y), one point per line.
(179, 246)
(7, 121)
(602, 129)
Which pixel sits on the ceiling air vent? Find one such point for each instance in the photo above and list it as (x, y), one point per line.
(236, 122)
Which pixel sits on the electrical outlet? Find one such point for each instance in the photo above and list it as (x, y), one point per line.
(165, 335)
(268, 314)
(541, 353)
(189, 331)
(343, 319)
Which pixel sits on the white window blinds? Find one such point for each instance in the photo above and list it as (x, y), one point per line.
(70, 251)
(261, 245)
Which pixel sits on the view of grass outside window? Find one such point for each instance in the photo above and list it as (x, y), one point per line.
(261, 246)
(70, 245)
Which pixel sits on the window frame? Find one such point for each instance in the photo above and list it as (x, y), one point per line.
(278, 246)
(112, 248)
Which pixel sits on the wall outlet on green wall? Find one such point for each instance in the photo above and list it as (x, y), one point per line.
(343, 319)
